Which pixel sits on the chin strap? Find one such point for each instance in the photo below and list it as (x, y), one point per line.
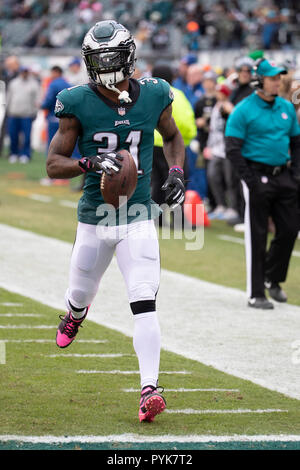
(123, 95)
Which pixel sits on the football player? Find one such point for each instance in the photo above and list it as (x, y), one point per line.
(113, 112)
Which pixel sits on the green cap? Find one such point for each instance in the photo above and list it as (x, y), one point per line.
(256, 54)
(269, 69)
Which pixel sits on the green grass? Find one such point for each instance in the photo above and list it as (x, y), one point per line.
(40, 395)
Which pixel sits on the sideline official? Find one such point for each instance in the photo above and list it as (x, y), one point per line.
(263, 143)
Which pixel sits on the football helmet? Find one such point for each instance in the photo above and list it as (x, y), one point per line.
(108, 50)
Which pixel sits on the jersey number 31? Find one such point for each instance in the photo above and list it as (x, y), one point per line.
(111, 142)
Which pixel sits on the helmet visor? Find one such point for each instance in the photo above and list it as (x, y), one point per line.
(109, 60)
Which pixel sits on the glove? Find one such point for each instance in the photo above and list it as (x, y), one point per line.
(174, 187)
(107, 162)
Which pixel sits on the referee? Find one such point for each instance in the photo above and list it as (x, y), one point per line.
(263, 144)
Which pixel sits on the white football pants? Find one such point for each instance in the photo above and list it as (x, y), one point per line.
(137, 252)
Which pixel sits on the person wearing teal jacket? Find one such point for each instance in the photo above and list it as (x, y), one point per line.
(184, 117)
(263, 143)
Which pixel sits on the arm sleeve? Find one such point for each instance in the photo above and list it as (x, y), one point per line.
(234, 154)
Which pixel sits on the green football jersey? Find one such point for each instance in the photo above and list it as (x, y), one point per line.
(108, 127)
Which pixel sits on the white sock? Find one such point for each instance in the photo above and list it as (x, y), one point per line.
(78, 313)
(146, 343)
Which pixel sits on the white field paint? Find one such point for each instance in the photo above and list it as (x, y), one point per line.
(240, 241)
(66, 203)
(130, 372)
(88, 355)
(143, 438)
(10, 315)
(202, 321)
(40, 198)
(11, 304)
(30, 327)
(87, 341)
(138, 390)
(190, 411)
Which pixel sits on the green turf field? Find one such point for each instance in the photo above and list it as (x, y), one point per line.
(42, 393)
(45, 395)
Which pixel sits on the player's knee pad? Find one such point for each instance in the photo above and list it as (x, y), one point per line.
(143, 306)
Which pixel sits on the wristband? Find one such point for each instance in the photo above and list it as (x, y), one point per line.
(176, 168)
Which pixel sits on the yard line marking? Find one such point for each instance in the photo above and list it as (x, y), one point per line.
(11, 304)
(66, 203)
(158, 438)
(88, 355)
(128, 372)
(93, 341)
(20, 315)
(239, 240)
(129, 390)
(228, 238)
(40, 197)
(37, 327)
(190, 411)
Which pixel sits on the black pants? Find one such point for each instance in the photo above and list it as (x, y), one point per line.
(275, 197)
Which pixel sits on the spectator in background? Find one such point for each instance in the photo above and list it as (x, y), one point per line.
(193, 91)
(194, 78)
(181, 81)
(191, 35)
(75, 75)
(57, 83)
(22, 106)
(270, 29)
(204, 106)
(203, 109)
(219, 172)
(9, 71)
(243, 67)
(184, 117)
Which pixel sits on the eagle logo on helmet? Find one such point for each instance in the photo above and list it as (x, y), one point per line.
(108, 51)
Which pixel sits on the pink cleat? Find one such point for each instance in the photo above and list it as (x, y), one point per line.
(67, 329)
(151, 404)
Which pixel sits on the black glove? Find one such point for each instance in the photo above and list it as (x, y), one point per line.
(107, 162)
(174, 187)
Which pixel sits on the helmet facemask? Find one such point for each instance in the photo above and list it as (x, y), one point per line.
(110, 65)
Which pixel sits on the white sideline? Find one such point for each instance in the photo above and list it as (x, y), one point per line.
(143, 438)
(138, 390)
(129, 372)
(190, 411)
(199, 320)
